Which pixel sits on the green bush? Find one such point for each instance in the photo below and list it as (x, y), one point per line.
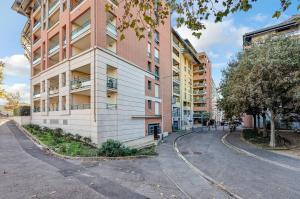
(250, 134)
(113, 148)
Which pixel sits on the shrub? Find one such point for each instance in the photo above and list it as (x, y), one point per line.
(69, 136)
(78, 137)
(113, 148)
(58, 132)
(87, 140)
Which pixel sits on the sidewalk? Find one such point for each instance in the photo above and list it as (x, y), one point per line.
(235, 140)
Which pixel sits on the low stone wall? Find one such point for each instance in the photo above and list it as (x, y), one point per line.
(22, 120)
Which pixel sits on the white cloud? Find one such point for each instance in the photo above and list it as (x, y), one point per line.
(16, 65)
(259, 17)
(21, 88)
(213, 55)
(216, 34)
(219, 65)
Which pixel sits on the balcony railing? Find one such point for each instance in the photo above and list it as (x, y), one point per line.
(81, 29)
(176, 45)
(80, 106)
(80, 83)
(36, 95)
(53, 7)
(176, 79)
(73, 6)
(53, 108)
(199, 92)
(53, 90)
(36, 25)
(176, 91)
(176, 67)
(36, 60)
(149, 55)
(111, 106)
(36, 6)
(53, 47)
(156, 59)
(111, 29)
(201, 100)
(112, 83)
(36, 109)
(199, 85)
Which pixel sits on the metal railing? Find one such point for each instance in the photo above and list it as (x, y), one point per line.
(111, 106)
(53, 90)
(176, 45)
(53, 6)
(36, 95)
(176, 79)
(53, 108)
(199, 85)
(156, 59)
(36, 109)
(36, 25)
(111, 29)
(80, 83)
(176, 91)
(36, 60)
(199, 92)
(53, 47)
(112, 83)
(36, 5)
(73, 6)
(80, 106)
(81, 29)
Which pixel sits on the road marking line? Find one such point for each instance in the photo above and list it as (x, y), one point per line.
(226, 143)
(201, 173)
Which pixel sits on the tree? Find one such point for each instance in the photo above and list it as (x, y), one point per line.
(276, 76)
(2, 92)
(13, 101)
(141, 15)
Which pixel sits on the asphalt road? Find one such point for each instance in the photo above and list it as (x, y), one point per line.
(208, 169)
(244, 175)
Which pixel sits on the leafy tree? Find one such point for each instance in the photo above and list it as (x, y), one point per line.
(276, 76)
(13, 101)
(2, 92)
(142, 15)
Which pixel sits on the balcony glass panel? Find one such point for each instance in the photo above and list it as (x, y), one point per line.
(111, 30)
(80, 30)
(53, 7)
(80, 106)
(80, 83)
(74, 4)
(111, 106)
(53, 47)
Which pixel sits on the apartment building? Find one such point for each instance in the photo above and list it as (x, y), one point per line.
(290, 27)
(184, 58)
(202, 90)
(88, 82)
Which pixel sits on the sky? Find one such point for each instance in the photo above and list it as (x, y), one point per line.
(221, 41)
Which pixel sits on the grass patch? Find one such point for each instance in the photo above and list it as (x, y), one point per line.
(78, 146)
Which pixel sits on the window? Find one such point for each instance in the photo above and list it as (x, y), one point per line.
(156, 90)
(149, 66)
(156, 108)
(156, 37)
(149, 85)
(64, 6)
(156, 55)
(149, 50)
(149, 104)
(156, 73)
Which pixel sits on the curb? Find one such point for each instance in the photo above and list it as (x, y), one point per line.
(226, 143)
(45, 148)
(201, 173)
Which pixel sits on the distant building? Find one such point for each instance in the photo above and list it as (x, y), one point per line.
(290, 27)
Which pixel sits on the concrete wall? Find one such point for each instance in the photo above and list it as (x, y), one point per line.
(22, 120)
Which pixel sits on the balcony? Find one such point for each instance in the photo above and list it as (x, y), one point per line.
(82, 83)
(36, 95)
(81, 29)
(111, 106)
(36, 109)
(36, 60)
(53, 7)
(74, 4)
(36, 25)
(199, 92)
(199, 84)
(176, 45)
(156, 59)
(36, 6)
(80, 106)
(176, 91)
(176, 79)
(53, 91)
(111, 30)
(54, 47)
(112, 83)
(53, 108)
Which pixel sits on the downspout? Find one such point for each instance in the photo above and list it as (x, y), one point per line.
(95, 32)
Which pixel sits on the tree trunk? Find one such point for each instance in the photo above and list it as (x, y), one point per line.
(264, 125)
(258, 121)
(254, 121)
(272, 137)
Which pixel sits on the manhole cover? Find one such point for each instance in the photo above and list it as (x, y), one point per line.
(197, 153)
